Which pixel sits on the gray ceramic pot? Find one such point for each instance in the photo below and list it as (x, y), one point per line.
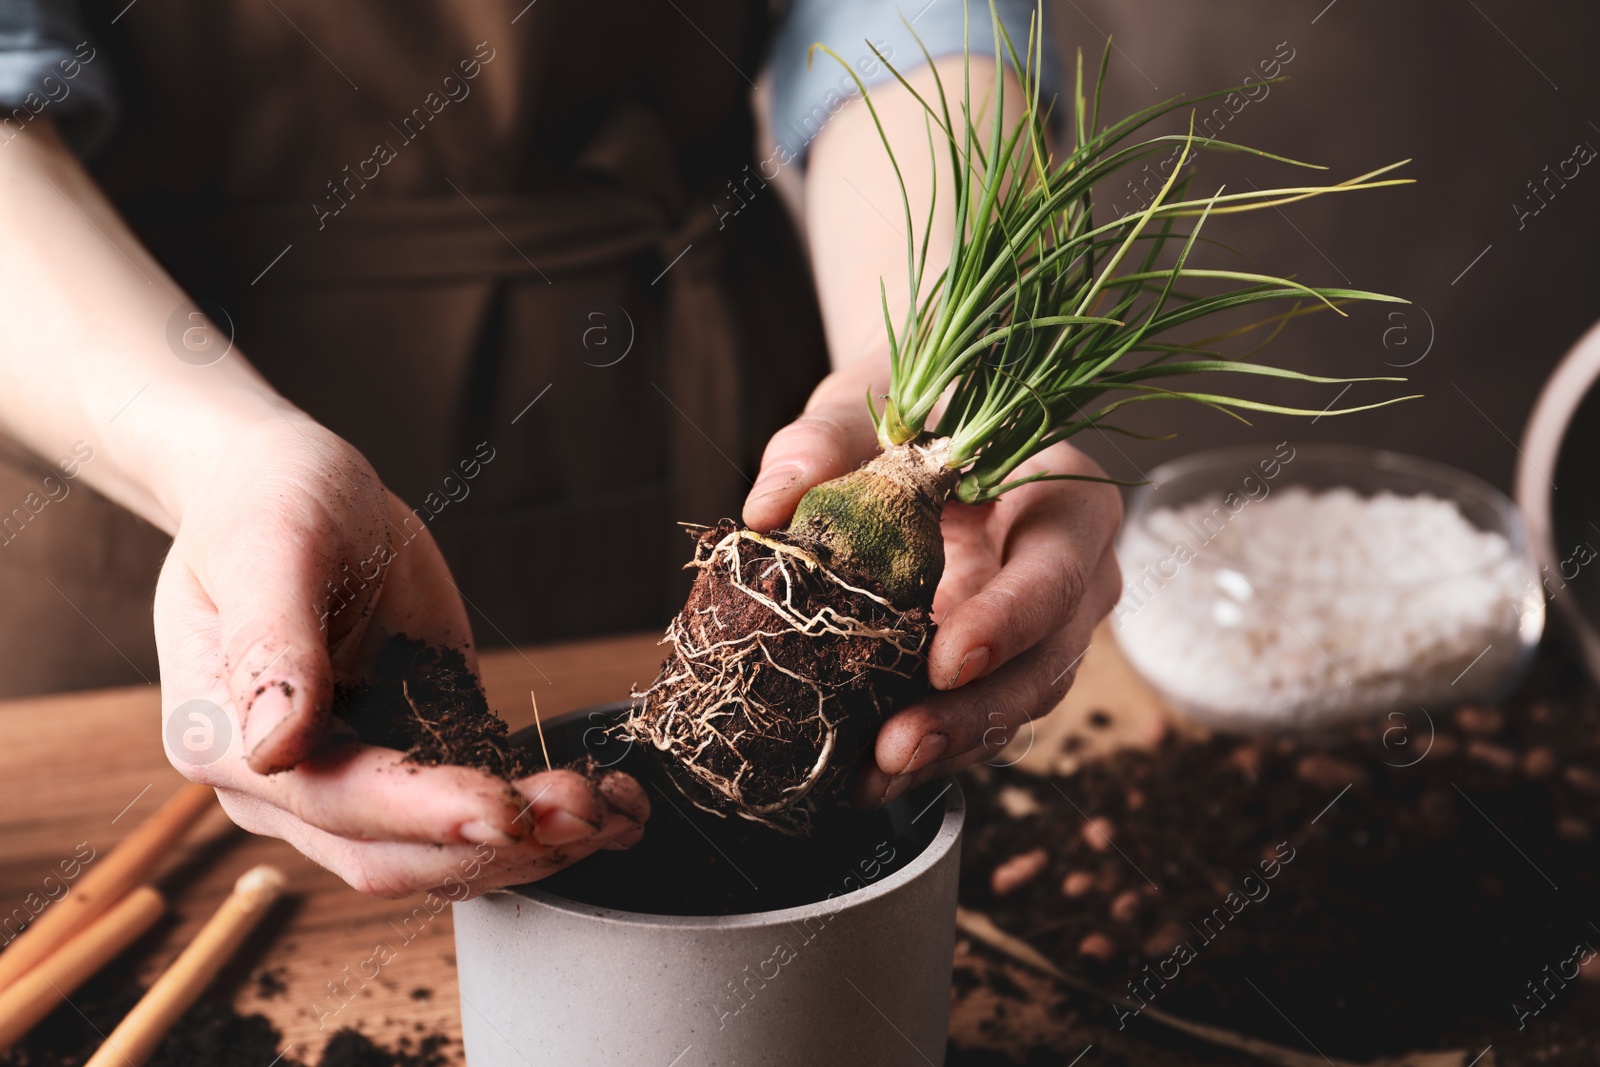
(862, 977)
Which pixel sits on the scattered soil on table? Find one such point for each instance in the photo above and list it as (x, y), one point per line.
(210, 1034)
(1406, 885)
(269, 983)
(1017, 1016)
(348, 1048)
(427, 703)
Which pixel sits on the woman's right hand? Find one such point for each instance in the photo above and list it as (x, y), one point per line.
(252, 640)
(267, 509)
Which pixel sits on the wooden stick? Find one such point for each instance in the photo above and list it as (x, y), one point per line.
(135, 1039)
(105, 881)
(539, 726)
(36, 994)
(979, 926)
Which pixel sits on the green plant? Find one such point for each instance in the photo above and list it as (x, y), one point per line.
(1033, 322)
(1045, 322)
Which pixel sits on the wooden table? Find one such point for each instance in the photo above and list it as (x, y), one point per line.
(87, 767)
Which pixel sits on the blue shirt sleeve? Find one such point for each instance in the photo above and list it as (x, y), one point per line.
(803, 101)
(50, 68)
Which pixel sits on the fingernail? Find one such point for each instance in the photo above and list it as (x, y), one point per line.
(482, 833)
(972, 666)
(930, 748)
(864, 794)
(897, 785)
(770, 481)
(624, 797)
(561, 827)
(265, 717)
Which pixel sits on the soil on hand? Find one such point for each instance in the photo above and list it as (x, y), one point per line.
(779, 676)
(426, 702)
(1410, 885)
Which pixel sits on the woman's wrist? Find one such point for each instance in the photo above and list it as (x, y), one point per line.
(89, 364)
(176, 435)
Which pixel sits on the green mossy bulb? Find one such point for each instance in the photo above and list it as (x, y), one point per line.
(881, 523)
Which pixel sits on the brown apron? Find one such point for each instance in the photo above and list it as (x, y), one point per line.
(474, 233)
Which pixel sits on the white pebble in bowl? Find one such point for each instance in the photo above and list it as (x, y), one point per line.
(1310, 607)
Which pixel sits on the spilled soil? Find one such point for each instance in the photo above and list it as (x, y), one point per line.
(1422, 882)
(423, 701)
(210, 1034)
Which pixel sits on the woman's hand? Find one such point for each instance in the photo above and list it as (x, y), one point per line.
(1025, 581)
(1026, 578)
(292, 564)
(278, 582)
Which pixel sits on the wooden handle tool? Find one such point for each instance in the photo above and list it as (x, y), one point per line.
(36, 994)
(137, 1036)
(105, 881)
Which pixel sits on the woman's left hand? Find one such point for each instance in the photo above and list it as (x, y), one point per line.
(1026, 579)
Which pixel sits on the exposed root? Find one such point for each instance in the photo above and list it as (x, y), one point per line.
(780, 672)
(405, 691)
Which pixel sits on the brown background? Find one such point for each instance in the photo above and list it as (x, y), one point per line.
(1482, 94)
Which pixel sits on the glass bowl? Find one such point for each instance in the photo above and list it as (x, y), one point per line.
(1282, 588)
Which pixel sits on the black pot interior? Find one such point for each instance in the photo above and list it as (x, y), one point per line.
(694, 863)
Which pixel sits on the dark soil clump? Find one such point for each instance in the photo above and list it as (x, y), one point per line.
(426, 702)
(1416, 909)
(348, 1048)
(779, 676)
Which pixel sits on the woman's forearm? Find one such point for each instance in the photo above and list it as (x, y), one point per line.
(855, 219)
(84, 348)
(85, 309)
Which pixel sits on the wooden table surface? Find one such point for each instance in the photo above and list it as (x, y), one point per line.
(88, 767)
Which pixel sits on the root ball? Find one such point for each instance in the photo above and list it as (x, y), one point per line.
(779, 674)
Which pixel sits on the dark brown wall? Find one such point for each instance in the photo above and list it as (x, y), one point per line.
(1483, 94)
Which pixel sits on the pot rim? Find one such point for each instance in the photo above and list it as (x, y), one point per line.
(1542, 439)
(946, 838)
